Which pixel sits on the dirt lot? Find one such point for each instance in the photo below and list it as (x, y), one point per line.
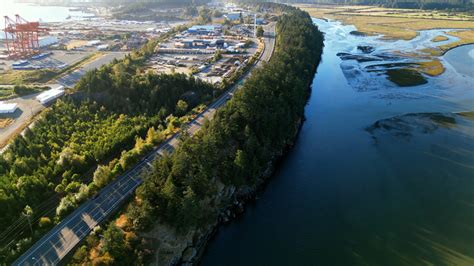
(28, 107)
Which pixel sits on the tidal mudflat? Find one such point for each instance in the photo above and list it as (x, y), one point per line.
(380, 174)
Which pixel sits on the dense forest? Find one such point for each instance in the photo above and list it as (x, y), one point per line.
(168, 10)
(233, 149)
(116, 115)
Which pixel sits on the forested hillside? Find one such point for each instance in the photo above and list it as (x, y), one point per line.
(234, 149)
(117, 114)
(154, 10)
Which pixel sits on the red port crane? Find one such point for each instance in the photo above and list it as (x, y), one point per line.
(21, 36)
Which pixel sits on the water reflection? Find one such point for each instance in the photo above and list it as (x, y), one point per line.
(380, 175)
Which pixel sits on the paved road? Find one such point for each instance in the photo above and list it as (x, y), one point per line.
(28, 106)
(69, 80)
(55, 245)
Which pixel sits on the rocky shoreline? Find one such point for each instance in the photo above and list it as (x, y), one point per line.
(194, 250)
(170, 244)
(188, 249)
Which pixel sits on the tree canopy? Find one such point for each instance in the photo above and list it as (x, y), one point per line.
(235, 147)
(116, 114)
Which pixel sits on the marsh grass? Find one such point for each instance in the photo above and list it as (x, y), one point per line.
(432, 68)
(395, 23)
(440, 38)
(405, 77)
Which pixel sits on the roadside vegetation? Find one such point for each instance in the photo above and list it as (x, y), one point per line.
(232, 150)
(114, 117)
(5, 122)
(19, 90)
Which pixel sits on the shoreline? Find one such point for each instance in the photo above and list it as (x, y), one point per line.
(240, 198)
(196, 247)
(457, 46)
(439, 57)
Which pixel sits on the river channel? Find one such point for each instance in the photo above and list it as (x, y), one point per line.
(379, 174)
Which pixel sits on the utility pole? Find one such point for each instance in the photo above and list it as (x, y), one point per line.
(255, 25)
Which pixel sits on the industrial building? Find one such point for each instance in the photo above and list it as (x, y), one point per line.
(199, 43)
(50, 95)
(47, 41)
(205, 30)
(8, 108)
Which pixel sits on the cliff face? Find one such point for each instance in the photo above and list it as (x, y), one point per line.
(173, 248)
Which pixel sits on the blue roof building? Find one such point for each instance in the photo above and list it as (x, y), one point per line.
(204, 29)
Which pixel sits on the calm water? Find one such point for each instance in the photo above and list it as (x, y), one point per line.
(38, 13)
(462, 58)
(375, 178)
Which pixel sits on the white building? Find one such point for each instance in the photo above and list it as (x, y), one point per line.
(47, 41)
(8, 108)
(50, 95)
(93, 43)
(102, 47)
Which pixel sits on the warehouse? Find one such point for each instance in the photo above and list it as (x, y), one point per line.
(50, 95)
(8, 108)
(205, 29)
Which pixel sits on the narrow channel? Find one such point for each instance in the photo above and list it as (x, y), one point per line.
(379, 175)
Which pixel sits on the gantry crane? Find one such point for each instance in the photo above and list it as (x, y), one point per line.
(22, 36)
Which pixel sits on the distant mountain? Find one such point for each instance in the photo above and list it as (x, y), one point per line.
(177, 2)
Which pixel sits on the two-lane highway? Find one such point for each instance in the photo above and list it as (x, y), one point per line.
(57, 243)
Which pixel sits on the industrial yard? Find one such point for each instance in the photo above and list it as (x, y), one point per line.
(58, 54)
(85, 92)
(58, 46)
(209, 52)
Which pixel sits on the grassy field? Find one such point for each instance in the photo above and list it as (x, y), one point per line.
(465, 37)
(394, 23)
(439, 39)
(432, 68)
(405, 77)
(403, 24)
(468, 115)
(12, 92)
(4, 122)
